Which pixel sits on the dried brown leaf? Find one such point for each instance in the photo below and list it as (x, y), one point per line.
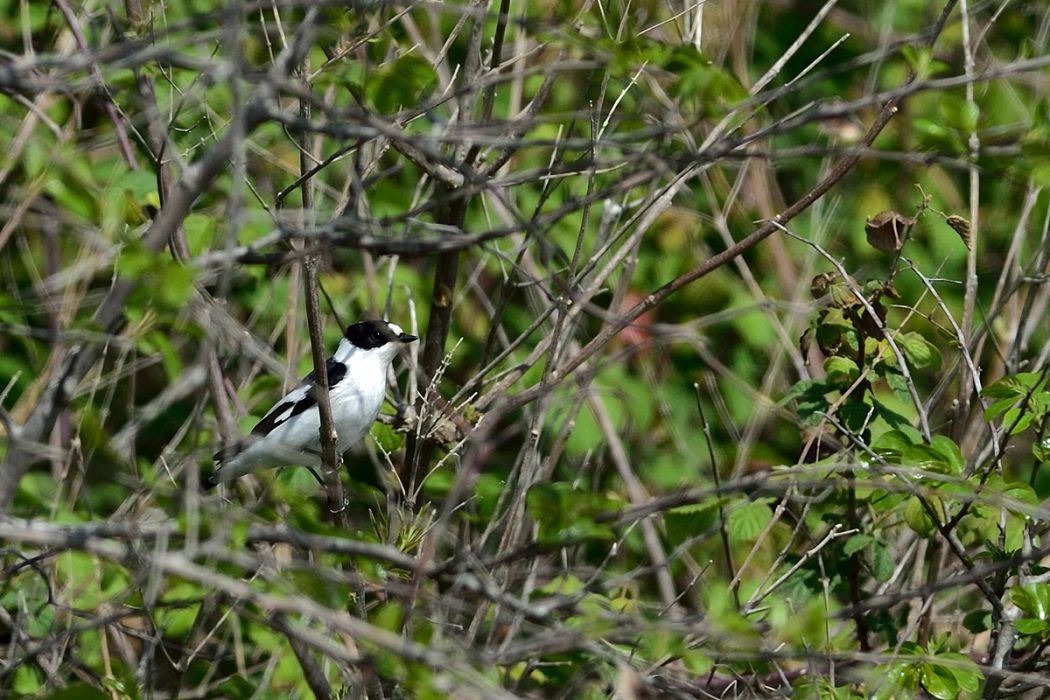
(962, 227)
(886, 230)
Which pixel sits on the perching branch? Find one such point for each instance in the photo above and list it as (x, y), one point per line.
(333, 479)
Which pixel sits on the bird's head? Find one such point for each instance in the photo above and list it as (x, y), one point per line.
(380, 336)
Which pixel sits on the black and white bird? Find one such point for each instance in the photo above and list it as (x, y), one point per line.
(290, 431)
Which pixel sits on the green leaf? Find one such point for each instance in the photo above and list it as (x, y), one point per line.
(918, 519)
(893, 419)
(79, 691)
(978, 621)
(841, 370)
(882, 562)
(1041, 450)
(1033, 599)
(688, 521)
(797, 390)
(814, 404)
(747, 522)
(855, 415)
(487, 491)
(857, 543)
(159, 342)
(970, 114)
(895, 678)
(124, 682)
(437, 484)
(1040, 403)
(583, 528)
(918, 351)
(919, 58)
(1018, 419)
(659, 642)
(174, 286)
(1030, 626)
(929, 459)
(892, 444)
(698, 77)
(896, 381)
(239, 534)
(1040, 174)
(835, 319)
(546, 502)
(567, 515)
(313, 584)
(722, 611)
(1015, 386)
(939, 681)
(41, 621)
(564, 585)
(1019, 491)
(967, 673)
(697, 663)
(1021, 400)
(400, 83)
(200, 231)
(181, 605)
(236, 687)
(998, 408)
(389, 616)
(387, 436)
(950, 452)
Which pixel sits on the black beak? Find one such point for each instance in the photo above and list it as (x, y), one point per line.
(406, 338)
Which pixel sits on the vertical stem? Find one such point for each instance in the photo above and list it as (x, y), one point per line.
(970, 294)
(937, 552)
(855, 565)
(723, 529)
(328, 436)
(333, 483)
(313, 674)
(698, 25)
(441, 298)
(452, 213)
(417, 448)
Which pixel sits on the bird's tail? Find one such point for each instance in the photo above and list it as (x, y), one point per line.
(222, 472)
(248, 456)
(209, 481)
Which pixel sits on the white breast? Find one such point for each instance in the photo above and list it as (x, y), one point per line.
(356, 400)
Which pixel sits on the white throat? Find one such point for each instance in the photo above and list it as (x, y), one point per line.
(353, 356)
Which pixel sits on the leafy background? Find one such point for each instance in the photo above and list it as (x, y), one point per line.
(732, 377)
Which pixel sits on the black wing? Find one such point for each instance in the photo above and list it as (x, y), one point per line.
(334, 369)
(300, 399)
(281, 413)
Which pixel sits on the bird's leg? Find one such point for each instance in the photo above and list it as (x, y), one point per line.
(316, 453)
(317, 476)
